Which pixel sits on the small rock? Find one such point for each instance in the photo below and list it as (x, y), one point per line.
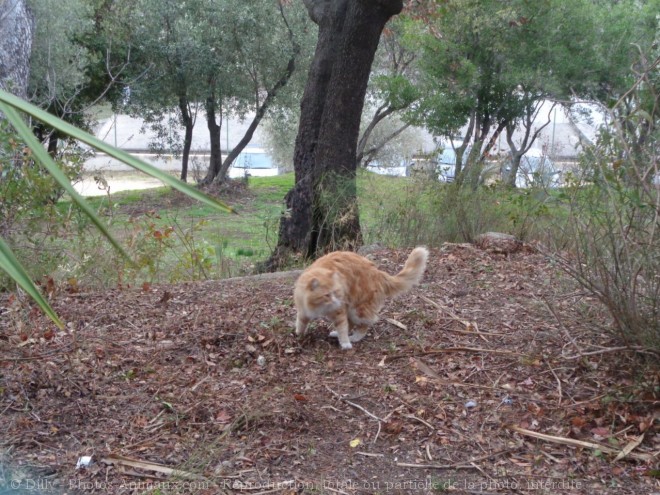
(84, 461)
(470, 404)
(498, 242)
(261, 361)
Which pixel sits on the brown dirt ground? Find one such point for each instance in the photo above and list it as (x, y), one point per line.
(171, 375)
(233, 192)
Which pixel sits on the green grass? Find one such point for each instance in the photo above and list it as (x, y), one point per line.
(238, 241)
(174, 239)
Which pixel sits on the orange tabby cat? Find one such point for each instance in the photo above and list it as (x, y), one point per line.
(350, 291)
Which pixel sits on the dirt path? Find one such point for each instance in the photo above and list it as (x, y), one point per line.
(208, 379)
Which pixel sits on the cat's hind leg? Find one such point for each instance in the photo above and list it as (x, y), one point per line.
(361, 317)
(359, 332)
(301, 325)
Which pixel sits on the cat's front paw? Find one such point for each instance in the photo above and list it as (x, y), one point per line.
(333, 334)
(346, 345)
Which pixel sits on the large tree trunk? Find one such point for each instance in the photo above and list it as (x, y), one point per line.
(322, 212)
(16, 28)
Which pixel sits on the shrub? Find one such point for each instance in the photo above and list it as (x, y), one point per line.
(615, 218)
(425, 211)
(28, 210)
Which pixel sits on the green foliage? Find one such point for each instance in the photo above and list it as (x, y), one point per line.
(62, 79)
(408, 212)
(224, 55)
(9, 105)
(58, 62)
(397, 90)
(165, 244)
(28, 192)
(629, 26)
(485, 64)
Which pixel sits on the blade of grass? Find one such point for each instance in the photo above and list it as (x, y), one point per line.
(110, 150)
(15, 270)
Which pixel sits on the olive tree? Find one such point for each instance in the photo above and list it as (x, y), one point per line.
(321, 210)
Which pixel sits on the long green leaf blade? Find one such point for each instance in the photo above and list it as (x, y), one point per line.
(46, 160)
(110, 150)
(15, 270)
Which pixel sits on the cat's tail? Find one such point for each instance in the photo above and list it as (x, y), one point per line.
(410, 275)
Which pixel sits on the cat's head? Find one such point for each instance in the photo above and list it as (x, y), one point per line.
(324, 291)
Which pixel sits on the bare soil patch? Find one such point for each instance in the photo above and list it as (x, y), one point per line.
(208, 378)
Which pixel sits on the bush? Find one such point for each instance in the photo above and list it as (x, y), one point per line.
(425, 211)
(615, 218)
(28, 192)
(28, 211)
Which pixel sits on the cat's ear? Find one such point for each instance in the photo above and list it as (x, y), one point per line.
(313, 284)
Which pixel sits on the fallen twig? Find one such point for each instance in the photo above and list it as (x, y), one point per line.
(632, 445)
(579, 443)
(427, 424)
(581, 403)
(453, 349)
(467, 324)
(559, 391)
(457, 465)
(194, 387)
(396, 323)
(280, 485)
(336, 490)
(611, 349)
(474, 464)
(149, 466)
(353, 404)
(377, 433)
(468, 332)
(424, 368)
(435, 466)
(563, 327)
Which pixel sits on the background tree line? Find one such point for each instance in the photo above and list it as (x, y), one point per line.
(478, 69)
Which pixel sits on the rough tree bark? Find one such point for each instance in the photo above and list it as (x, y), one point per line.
(321, 212)
(188, 121)
(16, 28)
(215, 161)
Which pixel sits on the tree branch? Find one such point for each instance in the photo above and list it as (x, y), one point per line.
(316, 9)
(375, 149)
(261, 111)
